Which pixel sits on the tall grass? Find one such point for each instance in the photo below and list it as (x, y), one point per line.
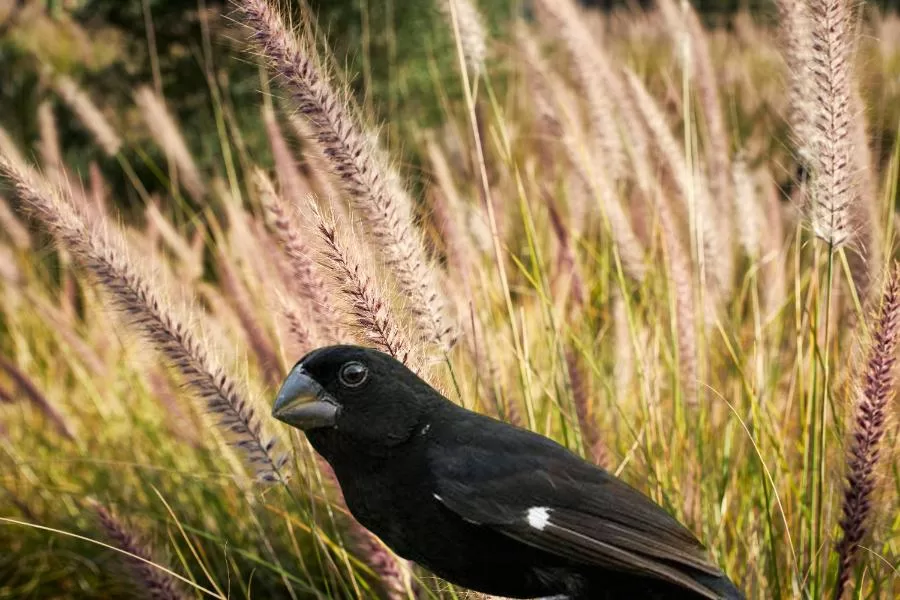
(665, 246)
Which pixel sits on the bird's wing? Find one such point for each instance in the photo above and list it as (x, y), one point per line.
(533, 490)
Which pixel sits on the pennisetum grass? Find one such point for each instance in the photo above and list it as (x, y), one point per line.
(257, 337)
(683, 310)
(321, 179)
(594, 76)
(28, 389)
(833, 194)
(359, 166)
(748, 208)
(773, 252)
(152, 581)
(711, 253)
(167, 134)
(594, 177)
(292, 183)
(683, 19)
(368, 304)
(796, 39)
(192, 268)
(549, 109)
(473, 34)
(625, 370)
(866, 254)
(105, 257)
(450, 214)
(89, 115)
(564, 331)
(568, 270)
(870, 417)
(298, 326)
(832, 208)
(394, 574)
(14, 229)
(587, 420)
(305, 283)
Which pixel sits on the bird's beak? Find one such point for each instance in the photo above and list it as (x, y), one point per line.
(303, 403)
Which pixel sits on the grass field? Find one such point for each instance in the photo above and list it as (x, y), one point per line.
(668, 247)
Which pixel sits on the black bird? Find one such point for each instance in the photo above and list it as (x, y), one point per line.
(483, 504)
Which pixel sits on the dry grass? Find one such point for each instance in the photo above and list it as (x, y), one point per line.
(654, 242)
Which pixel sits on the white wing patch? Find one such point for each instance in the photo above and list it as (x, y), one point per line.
(538, 517)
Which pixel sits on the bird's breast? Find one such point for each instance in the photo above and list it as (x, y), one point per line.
(393, 507)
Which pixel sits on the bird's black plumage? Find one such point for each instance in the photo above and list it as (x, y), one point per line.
(483, 504)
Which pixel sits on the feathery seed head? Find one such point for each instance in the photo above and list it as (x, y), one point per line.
(305, 282)
(89, 115)
(869, 425)
(472, 33)
(360, 167)
(156, 583)
(168, 136)
(368, 305)
(833, 190)
(102, 252)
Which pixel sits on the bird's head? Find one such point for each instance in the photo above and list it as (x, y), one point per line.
(356, 394)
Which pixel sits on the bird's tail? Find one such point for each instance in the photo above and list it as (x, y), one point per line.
(722, 586)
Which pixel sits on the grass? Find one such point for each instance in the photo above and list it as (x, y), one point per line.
(667, 247)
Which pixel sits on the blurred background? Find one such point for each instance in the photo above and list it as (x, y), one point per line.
(399, 54)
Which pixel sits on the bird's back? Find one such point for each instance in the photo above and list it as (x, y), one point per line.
(515, 481)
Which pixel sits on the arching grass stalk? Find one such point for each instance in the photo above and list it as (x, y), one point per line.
(489, 207)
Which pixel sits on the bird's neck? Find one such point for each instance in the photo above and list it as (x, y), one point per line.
(360, 469)
(339, 449)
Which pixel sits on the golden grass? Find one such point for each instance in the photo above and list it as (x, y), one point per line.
(641, 240)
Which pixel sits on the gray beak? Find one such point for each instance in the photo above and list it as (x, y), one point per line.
(303, 403)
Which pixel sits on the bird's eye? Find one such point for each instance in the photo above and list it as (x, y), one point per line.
(353, 374)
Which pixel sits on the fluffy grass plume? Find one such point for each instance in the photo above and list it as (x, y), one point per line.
(368, 303)
(106, 258)
(295, 188)
(833, 193)
(167, 134)
(797, 43)
(613, 286)
(472, 31)
(597, 177)
(89, 115)
(870, 421)
(305, 283)
(359, 165)
(152, 581)
(594, 75)
(708, 238)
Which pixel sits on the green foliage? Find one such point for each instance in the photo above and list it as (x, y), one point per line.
(404, 51)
